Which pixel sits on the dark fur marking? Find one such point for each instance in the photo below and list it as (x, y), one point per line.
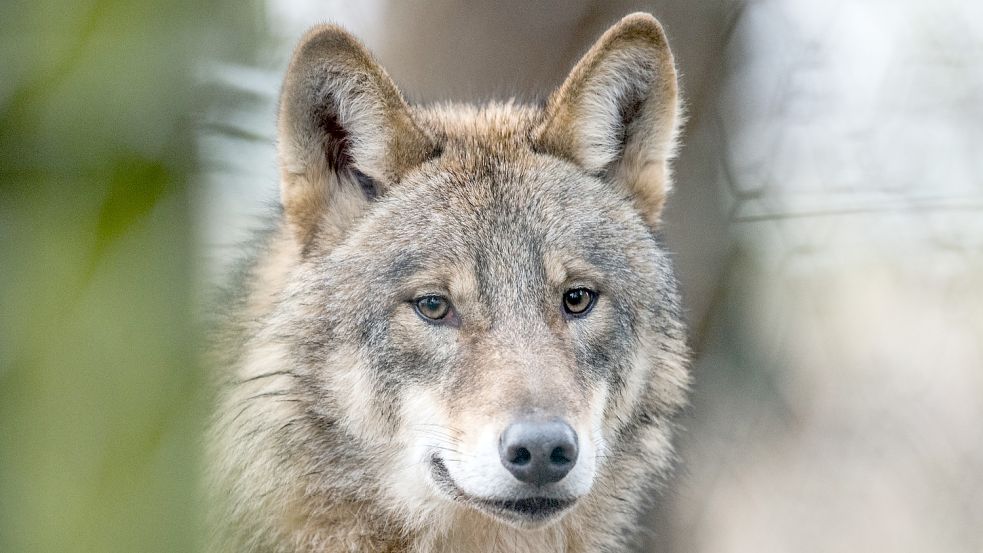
(337, 141)
(438, 150)
(629, 106)
(369, 187)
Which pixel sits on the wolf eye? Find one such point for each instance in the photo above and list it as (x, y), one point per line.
(433, 308)
(578, 301)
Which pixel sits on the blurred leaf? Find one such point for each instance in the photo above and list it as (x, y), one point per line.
(101, 397)
(134, 189)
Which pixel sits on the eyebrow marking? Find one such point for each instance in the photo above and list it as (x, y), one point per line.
(456, 280)
(464, 283)
(561, 269)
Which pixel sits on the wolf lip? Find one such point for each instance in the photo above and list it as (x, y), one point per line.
(531, 509)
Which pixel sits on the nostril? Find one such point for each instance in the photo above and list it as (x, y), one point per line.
(559, 456)
(522, 456)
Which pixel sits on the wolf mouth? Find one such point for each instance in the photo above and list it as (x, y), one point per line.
(528, 509)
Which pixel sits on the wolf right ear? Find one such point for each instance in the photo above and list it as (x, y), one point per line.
(617, 113)
(345, 133)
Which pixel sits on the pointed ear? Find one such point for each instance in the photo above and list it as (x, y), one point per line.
(617, 113)
(345, 133)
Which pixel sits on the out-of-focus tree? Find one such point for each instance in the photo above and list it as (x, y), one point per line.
(100, 392)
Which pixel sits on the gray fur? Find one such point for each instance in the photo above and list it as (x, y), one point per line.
(324, 347)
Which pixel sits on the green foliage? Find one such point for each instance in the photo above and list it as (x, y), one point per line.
(101, 395)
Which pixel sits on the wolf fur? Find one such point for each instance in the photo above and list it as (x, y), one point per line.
(337, 398)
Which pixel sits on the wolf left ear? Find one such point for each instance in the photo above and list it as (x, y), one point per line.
(345, 133)
(616, 115)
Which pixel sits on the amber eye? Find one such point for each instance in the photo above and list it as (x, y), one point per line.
(578, 301)
(433, 308)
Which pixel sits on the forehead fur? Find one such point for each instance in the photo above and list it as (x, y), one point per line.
(490, 190)
(491, 193)
(496, 128)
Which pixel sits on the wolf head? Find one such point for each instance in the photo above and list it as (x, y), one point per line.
(476, 313)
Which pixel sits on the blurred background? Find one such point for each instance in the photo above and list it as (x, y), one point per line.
(827, 226)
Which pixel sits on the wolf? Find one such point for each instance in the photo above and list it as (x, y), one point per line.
(462, 332)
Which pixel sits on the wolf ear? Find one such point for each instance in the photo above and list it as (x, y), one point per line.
(345, 133)
(616, 115)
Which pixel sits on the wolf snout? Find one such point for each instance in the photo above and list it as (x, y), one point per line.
(538, 452)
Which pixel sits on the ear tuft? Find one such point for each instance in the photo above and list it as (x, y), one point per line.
(617, 113)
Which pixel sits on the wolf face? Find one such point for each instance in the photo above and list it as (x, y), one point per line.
(467, 310)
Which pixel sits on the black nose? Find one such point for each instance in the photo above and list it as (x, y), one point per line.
(538, 452)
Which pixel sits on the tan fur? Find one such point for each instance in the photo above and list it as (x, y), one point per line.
(337, 397)
(587, 101)
(384, 138)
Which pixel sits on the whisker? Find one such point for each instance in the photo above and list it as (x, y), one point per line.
(273, 393)
(454, 451)
(266, 375)
(441, 426)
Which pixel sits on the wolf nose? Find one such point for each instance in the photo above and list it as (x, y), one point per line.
(538, 452)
